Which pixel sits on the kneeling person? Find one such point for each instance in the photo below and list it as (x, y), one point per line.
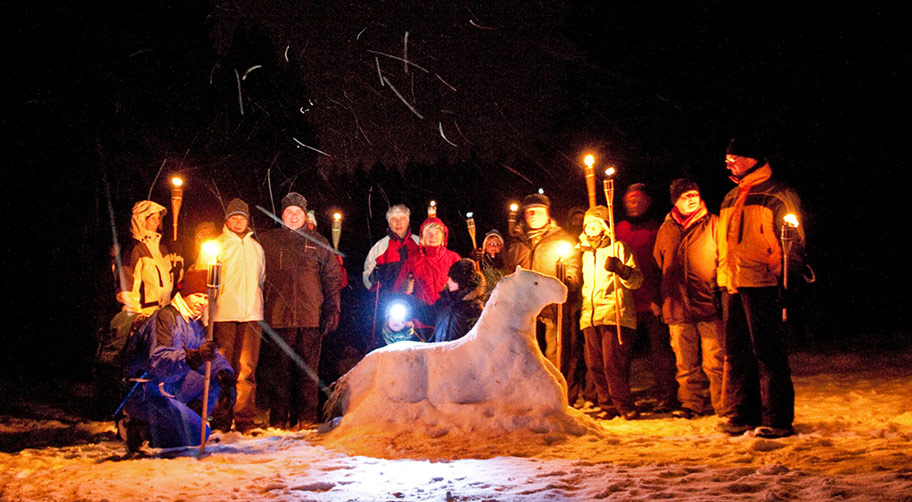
(167, 356)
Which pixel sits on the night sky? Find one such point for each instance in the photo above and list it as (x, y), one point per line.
(494, 100)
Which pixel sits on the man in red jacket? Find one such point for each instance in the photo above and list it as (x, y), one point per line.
(639, 232)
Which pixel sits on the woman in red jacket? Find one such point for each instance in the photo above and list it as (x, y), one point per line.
(424, 274)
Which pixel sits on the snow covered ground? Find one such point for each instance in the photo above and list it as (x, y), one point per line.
(854, 442)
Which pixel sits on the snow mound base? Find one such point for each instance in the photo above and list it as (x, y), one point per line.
(491, 382)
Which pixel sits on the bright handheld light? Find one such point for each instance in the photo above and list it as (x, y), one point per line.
(791, 220)
(610, 172)
(397, 311)
(210, 250)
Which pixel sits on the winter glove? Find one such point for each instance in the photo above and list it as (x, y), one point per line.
(228, 388)
(614, 264)
(330, 322)
(206, 352)
(478, 255)
(379, 275)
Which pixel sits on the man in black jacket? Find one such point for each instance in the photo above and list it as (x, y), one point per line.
(301, 306)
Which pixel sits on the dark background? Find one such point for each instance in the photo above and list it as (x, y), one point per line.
(224, 93)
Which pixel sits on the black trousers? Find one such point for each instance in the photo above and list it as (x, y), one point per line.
(757, 381)
(287, 385)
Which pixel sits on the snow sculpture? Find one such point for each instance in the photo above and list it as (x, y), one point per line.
(493, 379)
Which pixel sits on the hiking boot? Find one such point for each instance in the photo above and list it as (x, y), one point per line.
(630, 415)
(733, 427)
(685, 413)
(767, 432)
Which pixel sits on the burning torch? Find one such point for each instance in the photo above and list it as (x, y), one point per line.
(608, 186)
(563, 251)
(590, 178)
(213, 282)
(432, 209)
(511, 218)
(788, 236)
(177, 196)
(336, 229)
(470, 225)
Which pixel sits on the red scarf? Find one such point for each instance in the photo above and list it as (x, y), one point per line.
(686, 222)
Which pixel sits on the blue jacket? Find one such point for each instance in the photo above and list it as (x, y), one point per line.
(159, 348)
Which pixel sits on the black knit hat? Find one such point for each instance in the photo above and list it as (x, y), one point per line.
(747, 146)
(536, 200)
(679, 186)
(195, 281)
(237, 206)
(463, 273)
(294, 199)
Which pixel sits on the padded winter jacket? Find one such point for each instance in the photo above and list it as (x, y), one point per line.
(243, 272)
(750, 222)
(687, 259)
(598, 286)
(147, 281)
(387, 256)
(302, 278)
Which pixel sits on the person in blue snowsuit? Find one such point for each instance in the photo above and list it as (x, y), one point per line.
(168, 356)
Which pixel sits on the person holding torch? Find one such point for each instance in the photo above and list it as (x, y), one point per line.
(534, 246)
(757, 390)
(167, 356)
(607, 357)
(239, 309)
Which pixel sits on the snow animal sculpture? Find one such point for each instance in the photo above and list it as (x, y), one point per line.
(494, 378)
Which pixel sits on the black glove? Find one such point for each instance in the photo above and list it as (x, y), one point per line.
(478, 255)
(228, 388)
(614, 264)
(206, 352)
(379, 275)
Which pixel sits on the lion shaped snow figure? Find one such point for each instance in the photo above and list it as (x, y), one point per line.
(493, 379)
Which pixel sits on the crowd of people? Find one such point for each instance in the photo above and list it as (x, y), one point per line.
(699, 291)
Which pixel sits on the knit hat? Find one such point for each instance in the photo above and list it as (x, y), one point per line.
(595, 213)
(680, 186)
(294, 199)
(536, 200)
(636, 187)
(463, 273)
(747, 146)
(237, 206)
(492, 234)
(195, 281)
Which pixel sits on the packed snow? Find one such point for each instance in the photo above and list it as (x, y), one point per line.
(853, 418)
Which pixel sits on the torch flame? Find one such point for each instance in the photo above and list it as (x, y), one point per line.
(337, 216)
(210, 249)
(177, 181)
(610, 171)
(791, 220)
(589, 160)
(514, 207)
(563, 249)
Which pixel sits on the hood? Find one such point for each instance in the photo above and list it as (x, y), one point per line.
(142, 210)
(446, 231)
